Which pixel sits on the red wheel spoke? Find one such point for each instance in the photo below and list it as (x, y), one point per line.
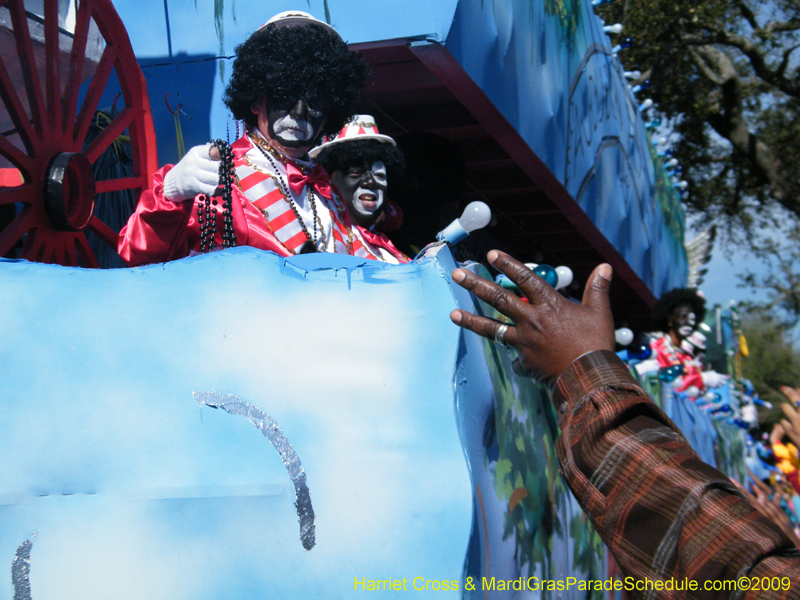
(116, 185)
(68, 251)
(34, 247)
(143, 136)
(20, 193)
(70, 101)
(49, 123)
(85, 252)
(28, 64)
(16, 229)
(52, 62)
(16, 110)
(94, 93)
(16, 157)
(111, 132)
(108, 236)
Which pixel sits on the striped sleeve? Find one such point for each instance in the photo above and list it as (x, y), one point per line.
(663, 512)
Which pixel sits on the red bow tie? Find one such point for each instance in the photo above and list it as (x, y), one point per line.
(316, 178)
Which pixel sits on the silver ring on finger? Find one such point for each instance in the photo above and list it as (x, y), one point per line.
(500, 334)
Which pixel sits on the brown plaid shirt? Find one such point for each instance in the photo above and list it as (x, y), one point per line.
(663, 512)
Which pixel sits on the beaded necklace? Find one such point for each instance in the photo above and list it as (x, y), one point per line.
(207, 211)
(286, 191)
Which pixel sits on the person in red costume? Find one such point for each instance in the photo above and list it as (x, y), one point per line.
(293, 80)
(678, 313)
(360, 161)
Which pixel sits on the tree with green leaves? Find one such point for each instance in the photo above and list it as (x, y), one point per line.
(726, 75)
(772, 362)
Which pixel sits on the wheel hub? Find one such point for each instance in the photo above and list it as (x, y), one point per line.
(69, 191)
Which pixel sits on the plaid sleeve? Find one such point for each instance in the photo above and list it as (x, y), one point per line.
(663, 512)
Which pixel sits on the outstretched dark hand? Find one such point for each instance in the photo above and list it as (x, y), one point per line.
(549, 331)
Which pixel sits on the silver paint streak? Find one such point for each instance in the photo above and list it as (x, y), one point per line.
(21, 570)
(236, 406)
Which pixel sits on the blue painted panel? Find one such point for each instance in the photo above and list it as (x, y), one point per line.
(424, 456)
(137, 491)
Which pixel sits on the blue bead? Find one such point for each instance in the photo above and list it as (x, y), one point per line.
(640, 351)
(670, 374)
(547, 273)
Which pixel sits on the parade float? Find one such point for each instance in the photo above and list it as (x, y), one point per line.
(239, 424)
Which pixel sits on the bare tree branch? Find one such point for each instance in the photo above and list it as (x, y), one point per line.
(702, 56)
(751, 51)
(785, 62)
(729, 122)
(774, 26)
(748, 14)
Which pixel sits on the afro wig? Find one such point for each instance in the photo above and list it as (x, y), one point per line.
(666, 305)
(361, 154)
(306, 59)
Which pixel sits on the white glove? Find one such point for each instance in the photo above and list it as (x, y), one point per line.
(646, 366)
(196, 173)
(713, 379)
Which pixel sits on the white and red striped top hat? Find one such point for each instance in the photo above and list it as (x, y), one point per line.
(359, 127)
(297, 17)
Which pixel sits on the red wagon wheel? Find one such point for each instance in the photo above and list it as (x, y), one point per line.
(40, 84)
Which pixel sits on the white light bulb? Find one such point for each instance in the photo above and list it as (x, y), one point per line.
(673, 162)
(683, 184)
(476, 216)
(663, 141)
(616, 28)
(645, 105)
(624, 336)
(564, 277)
(632, 74)
(692, 391)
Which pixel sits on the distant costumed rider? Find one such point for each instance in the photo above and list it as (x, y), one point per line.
(293, 80)
(678, 313)
(361, 161)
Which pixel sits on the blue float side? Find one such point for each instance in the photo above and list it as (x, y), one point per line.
(549, 68)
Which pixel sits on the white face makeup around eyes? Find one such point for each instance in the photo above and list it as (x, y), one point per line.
(370, 199)
(685, 321)
(364, 191)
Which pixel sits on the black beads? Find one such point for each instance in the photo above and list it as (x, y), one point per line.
(207, 209)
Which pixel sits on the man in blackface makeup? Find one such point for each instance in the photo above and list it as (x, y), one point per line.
(293, 81)
(678, 313)
(361, 162)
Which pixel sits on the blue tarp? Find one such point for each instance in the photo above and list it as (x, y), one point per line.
(141, 451)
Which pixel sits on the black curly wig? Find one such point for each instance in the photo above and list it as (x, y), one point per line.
(305, 58)
(362, 153)
(666, 305)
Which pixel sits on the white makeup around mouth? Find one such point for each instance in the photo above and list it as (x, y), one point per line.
(368, 199)
(293, 129)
